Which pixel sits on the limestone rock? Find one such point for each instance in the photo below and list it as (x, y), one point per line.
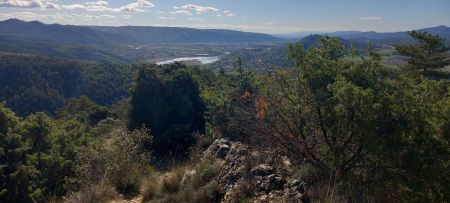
(262, 170)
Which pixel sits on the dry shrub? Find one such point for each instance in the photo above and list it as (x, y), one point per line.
(171, 183)
(204, 173)
(102, 192)
(211, 192)
(152, 188)
(121, 162)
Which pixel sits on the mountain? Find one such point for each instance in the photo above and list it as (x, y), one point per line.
(373, 37)
(391, 37)
(294, 35)
(15, 44)
(108, 44)
(314, 40)
(32, 83)
(101, 36)
(442, 30)
(67, 34)
(149, 34)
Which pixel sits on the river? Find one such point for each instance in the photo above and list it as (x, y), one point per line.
(202, 59)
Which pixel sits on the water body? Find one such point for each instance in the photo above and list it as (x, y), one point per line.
(201, 59)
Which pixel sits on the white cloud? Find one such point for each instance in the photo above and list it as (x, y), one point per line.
(99, 6)
(181, 12)
(199, 9)
(73, 6)
(229, 13)
(165, 18)
(75, 19)
(21, 15)
(370, 18)
(195, 19)
(137, 6)
(51, 5)
(28, 4)
(98, 3)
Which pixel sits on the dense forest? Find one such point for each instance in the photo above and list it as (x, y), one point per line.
(353, 129)
(34, 83)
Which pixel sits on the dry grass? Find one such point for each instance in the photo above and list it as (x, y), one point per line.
(171, 183)
(102, 192)
(163, 186)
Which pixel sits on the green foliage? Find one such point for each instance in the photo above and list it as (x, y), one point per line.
(166, 99)
(205, 172)
(357, 123)
(84, 110)
(231, 100)
(413, 157)
(39, 154)
(13, 178)
(429, 54)
(33, 83)
(120, 162)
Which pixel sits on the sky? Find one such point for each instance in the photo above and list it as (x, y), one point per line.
(266, 16)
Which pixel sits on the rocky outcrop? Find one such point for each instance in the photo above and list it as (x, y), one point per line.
(255, 175)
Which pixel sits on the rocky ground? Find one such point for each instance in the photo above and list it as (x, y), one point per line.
(231, 172)
(262, 175)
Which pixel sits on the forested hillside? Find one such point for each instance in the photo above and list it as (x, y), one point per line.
(101, 36)
(15, 44)
(33, 83)
(185, 35)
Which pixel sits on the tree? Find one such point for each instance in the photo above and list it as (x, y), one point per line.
(13, 177)
(326, 111)
(359, 124)
(430, 52)
(166, 99)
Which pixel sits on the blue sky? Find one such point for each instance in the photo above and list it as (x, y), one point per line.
(268, 16)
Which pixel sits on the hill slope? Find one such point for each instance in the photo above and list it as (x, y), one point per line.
(374, 37)
(125, 35)
(392, 37)
(48, 48)
(67, 34)
(33, 83)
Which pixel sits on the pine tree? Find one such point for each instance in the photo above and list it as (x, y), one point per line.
(166, 99)
(430, 52)
(13, 179)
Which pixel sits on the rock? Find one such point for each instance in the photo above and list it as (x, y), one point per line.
(263, 198)
(188, 174)
(261, 184)
(271, 183)
(295, 191)
(219, 149)
(262, 170)
(297, 185)
(222, 151)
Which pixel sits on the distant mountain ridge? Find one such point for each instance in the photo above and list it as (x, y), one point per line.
(442, 30)
(376, 37)
(124, 35)
(67, 34)
(314, 41)
(150, 34)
